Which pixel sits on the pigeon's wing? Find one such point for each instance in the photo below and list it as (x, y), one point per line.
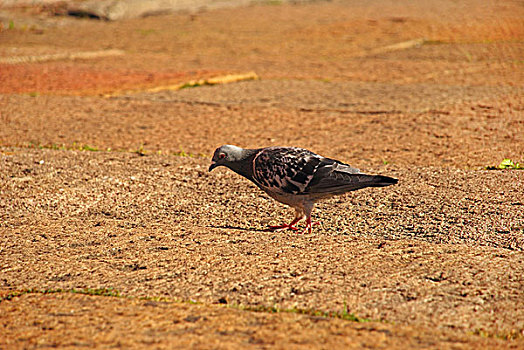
(333, 177)
(296, 171)
(285, 170)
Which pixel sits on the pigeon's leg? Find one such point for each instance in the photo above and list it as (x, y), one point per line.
(308, 228)
(308, 208)
(298, 216)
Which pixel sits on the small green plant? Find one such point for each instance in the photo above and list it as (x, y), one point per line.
(346, 315)
(184, 154)
(507, 164)
(88, 148)
(11, 24)
(141, 151)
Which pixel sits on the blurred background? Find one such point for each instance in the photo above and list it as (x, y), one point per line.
(410, 80)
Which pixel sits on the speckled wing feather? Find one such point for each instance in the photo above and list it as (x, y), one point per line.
(296, 171)
(284, 170)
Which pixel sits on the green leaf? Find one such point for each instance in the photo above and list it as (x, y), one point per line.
(506, 163)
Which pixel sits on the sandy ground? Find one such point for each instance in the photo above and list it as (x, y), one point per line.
(103, 192)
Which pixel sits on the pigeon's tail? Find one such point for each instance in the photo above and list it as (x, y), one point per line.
(339, 182)
(379, 181)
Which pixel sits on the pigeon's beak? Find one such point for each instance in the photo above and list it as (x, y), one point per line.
(212, 166)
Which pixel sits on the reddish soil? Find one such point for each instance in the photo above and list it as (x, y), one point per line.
(73, 79)
(113, 192)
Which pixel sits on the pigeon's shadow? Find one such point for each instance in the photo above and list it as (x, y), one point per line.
(229, 227)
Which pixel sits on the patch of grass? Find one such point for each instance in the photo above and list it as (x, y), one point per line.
(88, 148)
(107, 292)
(507, 164)
(344, 315)
(80, 147)
(63, 147)
(55, 146)
(193, 84)
(11, 25)
(34, 94)
(184, 154)
(14, 294)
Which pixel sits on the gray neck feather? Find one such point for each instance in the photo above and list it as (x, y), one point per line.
(244, 165)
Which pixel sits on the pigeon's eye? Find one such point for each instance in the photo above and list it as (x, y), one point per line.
(221, 156)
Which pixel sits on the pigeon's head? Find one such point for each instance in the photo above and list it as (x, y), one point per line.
(226, 155)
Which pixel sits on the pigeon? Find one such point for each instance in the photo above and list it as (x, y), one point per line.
(295, 176)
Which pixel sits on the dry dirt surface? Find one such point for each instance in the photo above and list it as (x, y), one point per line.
(114, 234)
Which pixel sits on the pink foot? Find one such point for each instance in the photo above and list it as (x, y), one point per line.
(282, 227)
(309, 228)
(289, 226)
